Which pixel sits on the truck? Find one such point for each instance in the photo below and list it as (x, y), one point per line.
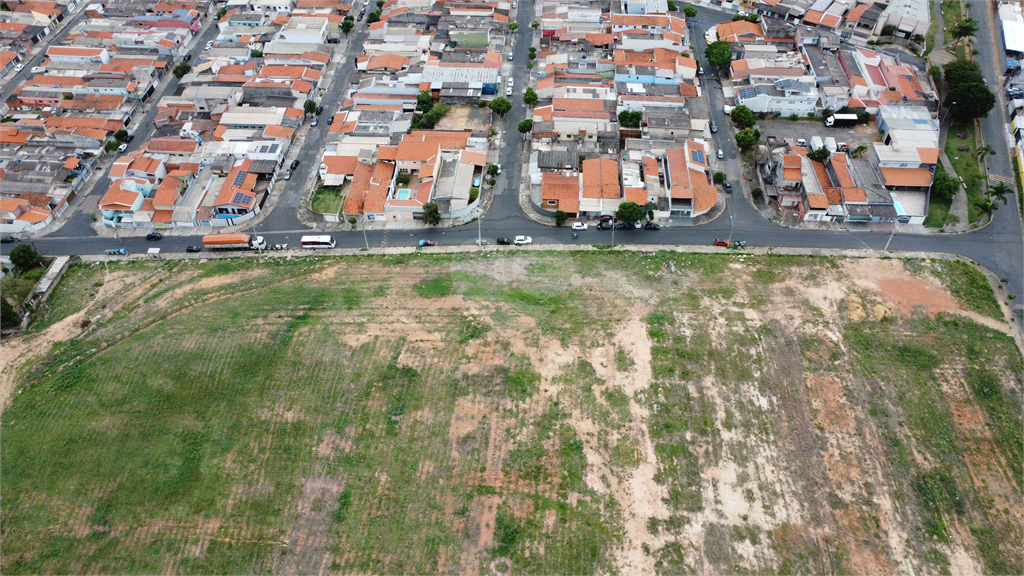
(816, 143)
(831, 144)
(234, 242)
(841, 120)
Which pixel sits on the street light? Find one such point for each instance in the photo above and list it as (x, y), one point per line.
(479, 237)
(951, 104)
(895, 227)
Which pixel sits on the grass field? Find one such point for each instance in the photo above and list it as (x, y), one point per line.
(566, 413)
(327, 200)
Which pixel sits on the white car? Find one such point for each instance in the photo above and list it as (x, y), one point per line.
(720, 154)
(514, 5)
(122, 147)
(499, 168)
(38, 69)
(511, 81)
(522, 240)
(21, 67)
(508, 91)
(579, 225)
(510, 57)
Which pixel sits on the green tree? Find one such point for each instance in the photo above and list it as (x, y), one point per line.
(403, 179)
(492, 169)
(501, 106)
(110, 146)
(718, 53)
(651, 207)
(525, 126)
(888, 30)
(972, 101)
(121, 135)
(513, 27)
(529, 65)
(936, 73)
(373, 17)
(431, 118)
(69, 96)
(672, 6)
(534, 24)
(756, 193)
(431, 215)
(1000, 191)
(380, 3)
(352, 222)
(8, 316)
(256, 54)
(424, 101)
(690, 11)
(944, 187)
(309, 107)
(347, 24)
(987, 206)
(719, 177)
(963, 29)
(630, 212)
(629, 119)
(748, 138)
(24, 257)
(181, 68)
(743, 117)
(960, 72)
(530, 96)
(560, 217)
(221, 13)
(820, 155)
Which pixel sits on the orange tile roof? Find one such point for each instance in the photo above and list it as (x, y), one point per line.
(416, 151)
(817, 201)
(858, 195)
(857, 12)
(928, 155)
(563, 189)
(34, 215)
(118, 198)
(171, 144)
(12, 204)
(600, 39)
(278, 131)
(601, 178)
(587, 104)
(474, 158)
(834, 195)
(731, 31)
(388, 61)
(357, 190)
(687, 90)
(842, 171)
(638, 195)
(917, 177)
(705, 195)
(380, 180)
(340, 164)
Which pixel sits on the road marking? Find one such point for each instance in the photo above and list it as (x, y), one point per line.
(1001, 178)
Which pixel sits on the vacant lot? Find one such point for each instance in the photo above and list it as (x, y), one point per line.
(527, 413)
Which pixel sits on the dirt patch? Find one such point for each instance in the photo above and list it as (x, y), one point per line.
(906, 292)
(466, 417)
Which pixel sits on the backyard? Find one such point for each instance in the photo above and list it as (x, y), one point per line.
(327, 200)
(514, 412)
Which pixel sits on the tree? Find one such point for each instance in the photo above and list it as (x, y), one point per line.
(347, 24)
(530, 96)
(743, 117)
(181, 69)
(986, 150)
(8, 316)
(309, 107)
(501, 106)
(888, 30)
(650, 207)
(24, 257)
(629, 119)
(972, 101)
(431, 118)
(690, 11)
(513, 27)
(944, 187)
(756, 193)
(820, 155)
(121, 135)
(963, 29)
(630, 212)
(719, 177)
(403, 179)
(962, 72)
(256, 54)
(534, 24)
(110, 146)
(748, 138)
(373, 17)
(529, 65)
(431, 215)
(69, 96)
(1000, 191)
(525, 126)
(672, 6)
(352, 222)
(380, 3)
(917, 38)
(492, 169)
(560, 217)
(936, 73)
(424, 101)
(221, 13)
(718, 53)
(987, 206)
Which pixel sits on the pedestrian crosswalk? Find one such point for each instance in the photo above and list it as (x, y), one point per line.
(1001, 178)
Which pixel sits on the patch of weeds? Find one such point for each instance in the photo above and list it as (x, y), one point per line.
(1005, 420)
(351, 297)
(989, 545)
(969, 286)
(506, 531)
(471, 329)
(623, 362)
(938, 494)
(522, 383)
(574, 462)
(436, 287)
(525, 460)
(344, 501)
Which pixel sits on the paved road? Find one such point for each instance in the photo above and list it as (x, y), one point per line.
(36, 60)
(998, 247)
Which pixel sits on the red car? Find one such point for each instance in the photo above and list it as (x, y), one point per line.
(720, 242)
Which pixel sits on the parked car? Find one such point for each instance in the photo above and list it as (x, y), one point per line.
(510, 56)
(504, 241)
(606, 218)
(653, 226)
(330, 120)
(295, 164)
(728, 188)
(37, 69)
(511, 81)
(499, 168)
(122, 147)
(579, 225)
(720, 154)
(720, 242)
(20, 67)
(604, 225)
(129, 138)
(522, 240)
(154, 236)
(319, 110)
(287, 175)
(315, 121)
(187, 58)
(623, 226)
(193, 248)
(514, 5)
(8, 239)
(801, 142)
(508, 91)
(428, 243)
(714, 127)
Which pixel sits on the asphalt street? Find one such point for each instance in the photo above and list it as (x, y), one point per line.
(998, 246)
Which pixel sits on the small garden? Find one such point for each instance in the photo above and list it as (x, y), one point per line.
(961, 148)
(327, 200)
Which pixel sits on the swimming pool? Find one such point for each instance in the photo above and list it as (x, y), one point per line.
(403, 194)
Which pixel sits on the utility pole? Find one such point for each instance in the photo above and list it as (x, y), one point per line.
(255, 235)
(364, 234)
(479, 236)
(895, 227)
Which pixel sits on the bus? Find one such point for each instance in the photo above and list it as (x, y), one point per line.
(317, 242)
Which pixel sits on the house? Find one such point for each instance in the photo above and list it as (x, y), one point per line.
(123, 199)
(688, 179)
(238, 198)
(19, 215)
(601, 190)
(561, 191)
